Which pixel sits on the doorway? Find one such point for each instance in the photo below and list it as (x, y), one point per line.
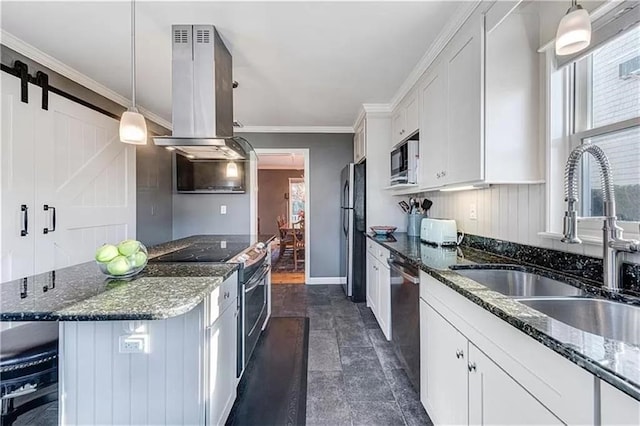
(280, 206)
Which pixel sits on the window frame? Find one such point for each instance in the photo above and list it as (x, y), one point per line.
(569, 90)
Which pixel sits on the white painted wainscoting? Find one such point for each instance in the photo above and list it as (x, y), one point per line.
(99, 385)
(507, 212)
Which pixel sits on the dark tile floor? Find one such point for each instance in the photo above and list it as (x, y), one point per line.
(354, 377)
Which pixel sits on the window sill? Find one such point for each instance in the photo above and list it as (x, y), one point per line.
(586, 239)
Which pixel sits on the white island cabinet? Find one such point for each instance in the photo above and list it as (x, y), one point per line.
(186, 375)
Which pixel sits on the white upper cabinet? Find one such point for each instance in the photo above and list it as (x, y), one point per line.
(433, 129)
(464, 62)
(360, 142)
(405, 119)
(512, 93)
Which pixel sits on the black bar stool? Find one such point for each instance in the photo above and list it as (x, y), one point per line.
(28, 364)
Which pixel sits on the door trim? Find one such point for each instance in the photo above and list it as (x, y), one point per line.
(308, 214)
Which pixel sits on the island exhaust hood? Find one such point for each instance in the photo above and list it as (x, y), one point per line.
(202, 97)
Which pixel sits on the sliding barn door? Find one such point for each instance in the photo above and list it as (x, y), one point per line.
(17, 203)
(88, 176)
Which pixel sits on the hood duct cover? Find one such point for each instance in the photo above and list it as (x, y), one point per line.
(202, 96)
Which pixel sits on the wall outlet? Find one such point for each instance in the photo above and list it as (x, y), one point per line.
(223, 244)
(473, 212)
(134, 344)
(223, 209)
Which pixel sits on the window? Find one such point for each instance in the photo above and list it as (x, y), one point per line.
(296, 199)
(606, 112)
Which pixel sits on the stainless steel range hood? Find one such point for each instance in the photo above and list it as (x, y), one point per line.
(202, 96)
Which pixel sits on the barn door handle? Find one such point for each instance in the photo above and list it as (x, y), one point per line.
(53, 218)
(25, 220)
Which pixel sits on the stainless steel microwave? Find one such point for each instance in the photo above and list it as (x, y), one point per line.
(404, 163)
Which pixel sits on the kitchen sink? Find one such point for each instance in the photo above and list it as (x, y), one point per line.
(519, 283)
(613, 320)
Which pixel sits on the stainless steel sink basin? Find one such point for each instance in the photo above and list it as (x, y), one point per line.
(519, 283)
(602, 317)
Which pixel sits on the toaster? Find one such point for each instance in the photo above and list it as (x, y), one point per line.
(441, 232)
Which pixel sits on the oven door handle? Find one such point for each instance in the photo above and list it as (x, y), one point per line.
(255, 282)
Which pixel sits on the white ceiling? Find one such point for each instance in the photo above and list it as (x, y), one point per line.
(281, 161)
(298, 63)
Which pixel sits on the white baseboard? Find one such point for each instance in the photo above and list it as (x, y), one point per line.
(326, 280)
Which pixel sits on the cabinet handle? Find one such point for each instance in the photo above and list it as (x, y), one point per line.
(459, 354)
(471, 366)
(25, 220)
(53, 218)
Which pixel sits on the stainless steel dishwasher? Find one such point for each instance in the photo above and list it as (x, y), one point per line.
(405, 317)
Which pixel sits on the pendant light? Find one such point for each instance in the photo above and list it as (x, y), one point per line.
(133, 128)
(232, 170)
(574, 31)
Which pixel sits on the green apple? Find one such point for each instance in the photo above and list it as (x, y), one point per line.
(106, 253)
(138, 259)
(128, 247)
(119, 266)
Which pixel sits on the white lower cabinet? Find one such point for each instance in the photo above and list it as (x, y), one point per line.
(221, 366)
(477, 369)
(379, 286)
(444, 393)
(617, 408)
(495, 398)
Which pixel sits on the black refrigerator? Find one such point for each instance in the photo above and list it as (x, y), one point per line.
(352, 239)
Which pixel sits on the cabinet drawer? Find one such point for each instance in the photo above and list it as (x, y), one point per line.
(223, 297)
(377, 251)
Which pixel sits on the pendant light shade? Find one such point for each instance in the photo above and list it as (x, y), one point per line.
(133, 128)
(232, 170)
(574, 31)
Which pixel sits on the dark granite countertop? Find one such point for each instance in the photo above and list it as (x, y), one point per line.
(83, 293)
(616, 362)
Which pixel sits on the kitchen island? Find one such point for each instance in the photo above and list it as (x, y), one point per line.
(158, 348)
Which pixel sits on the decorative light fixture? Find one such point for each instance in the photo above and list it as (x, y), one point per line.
(232, 170)
(133, 128)
(574, 31)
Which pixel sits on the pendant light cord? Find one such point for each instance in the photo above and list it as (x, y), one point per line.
(133, 53)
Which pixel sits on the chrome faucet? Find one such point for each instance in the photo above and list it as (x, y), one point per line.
(612, 241)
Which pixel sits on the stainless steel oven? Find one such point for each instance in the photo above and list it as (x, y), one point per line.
(404, 163)
(252, 300)
(405, 317)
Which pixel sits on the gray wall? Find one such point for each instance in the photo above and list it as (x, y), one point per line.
(273, 185)
(328, 154)
(154, 215)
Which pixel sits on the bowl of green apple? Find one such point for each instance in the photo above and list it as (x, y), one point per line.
(123, 260)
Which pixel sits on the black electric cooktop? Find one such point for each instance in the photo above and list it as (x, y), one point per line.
(205, 252)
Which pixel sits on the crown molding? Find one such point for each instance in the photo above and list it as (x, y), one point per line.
(458, 19)
(65, 70)
(294, 129)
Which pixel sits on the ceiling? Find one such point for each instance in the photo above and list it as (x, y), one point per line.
(298, 63)
(281, 161)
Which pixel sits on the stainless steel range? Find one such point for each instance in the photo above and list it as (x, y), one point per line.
(253, 288)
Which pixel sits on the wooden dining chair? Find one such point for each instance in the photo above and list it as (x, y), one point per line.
(298, 243)
(286, 238)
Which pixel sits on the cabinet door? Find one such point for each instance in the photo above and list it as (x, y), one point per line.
(617, 408)
(412, 116)
(446, 361)
(384, 299)
(495, 398)
(222, 367)
(464, 109)
(356, 147)
(17, 179)
(372, 283)
(397, 126)
(433, 129)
